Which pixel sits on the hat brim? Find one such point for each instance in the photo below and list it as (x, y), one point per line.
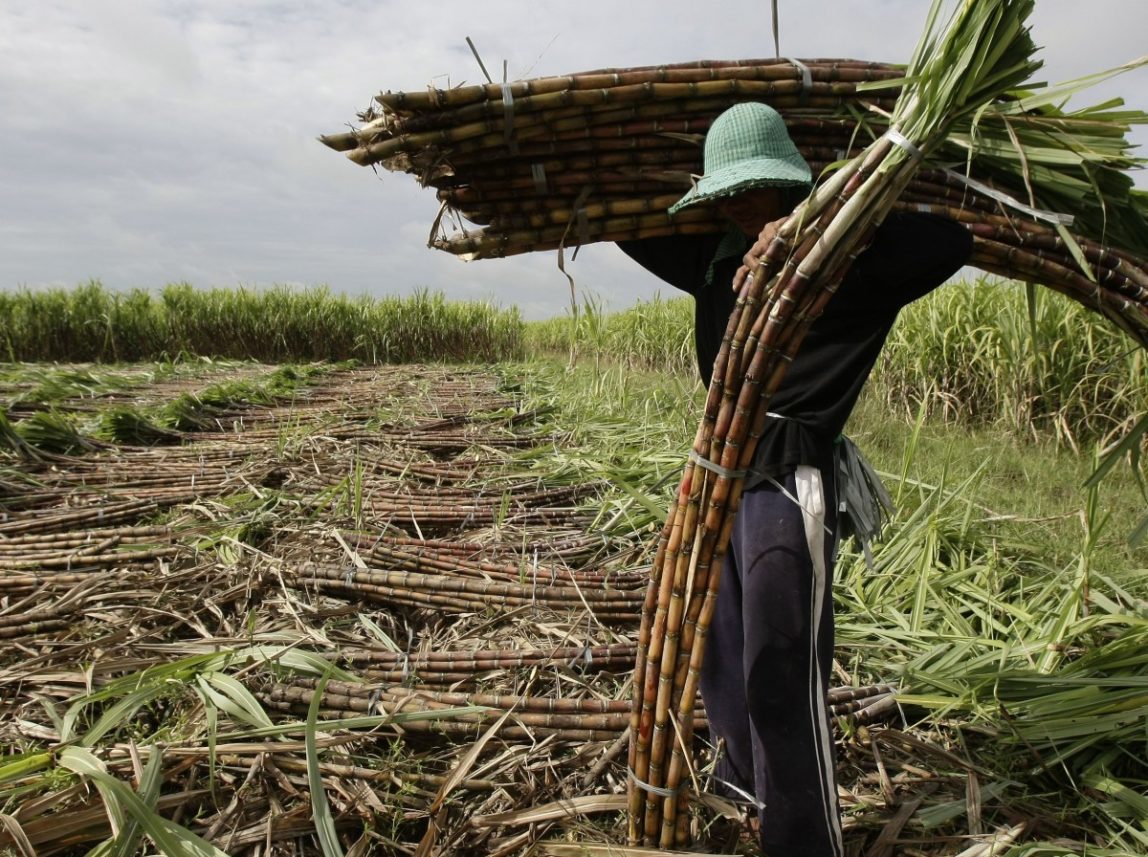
(741, 177)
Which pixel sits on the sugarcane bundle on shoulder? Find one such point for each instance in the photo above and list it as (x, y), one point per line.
(617, 145)
(599, 156)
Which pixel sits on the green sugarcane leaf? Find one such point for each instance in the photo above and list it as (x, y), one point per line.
(121, 712)
(1062, 620)
(180, 671)
(170, 838)
(1074, 248)
(85, 763)
(213, 700)
(934, 816)
(1133, 800)
(243, 704)
(652, 506)
(1127, 445)
(296, 659)
(320, 808)
(126, 843)
(1062, 92)
(1030, 305)
(1136, 537)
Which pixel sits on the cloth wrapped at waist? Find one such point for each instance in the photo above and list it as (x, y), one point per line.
(863, 504)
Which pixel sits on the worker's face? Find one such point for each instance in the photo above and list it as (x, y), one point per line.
(750, 211)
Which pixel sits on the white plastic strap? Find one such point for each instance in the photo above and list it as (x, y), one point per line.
(899, 139)
(789, 496)
(1012, 202)
(538, 171)
(715, 468)
(654, 790)
(806, 74)
(742, 793)
(508, 116)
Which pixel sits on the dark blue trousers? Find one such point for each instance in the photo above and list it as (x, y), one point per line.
(768, 659)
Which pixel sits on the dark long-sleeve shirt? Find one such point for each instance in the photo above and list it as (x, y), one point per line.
(910, 255)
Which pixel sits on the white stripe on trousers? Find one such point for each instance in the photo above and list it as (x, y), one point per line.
(811, 499)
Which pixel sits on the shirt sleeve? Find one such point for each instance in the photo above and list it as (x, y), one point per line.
(911, 254)
(680, 260)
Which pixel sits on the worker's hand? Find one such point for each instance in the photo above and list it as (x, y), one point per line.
(752, 258)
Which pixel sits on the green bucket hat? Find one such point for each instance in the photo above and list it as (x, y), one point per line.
(747, 147)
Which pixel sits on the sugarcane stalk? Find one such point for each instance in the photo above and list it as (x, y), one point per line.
(484, 591)
(89, 560)
(701, 70)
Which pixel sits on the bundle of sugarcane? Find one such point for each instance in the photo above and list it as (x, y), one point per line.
(69, 519)
(1104, 279)
(431, 132)
(443, 441)
(459, 594)
(595, 156)
(464, 667)
(985, 51)
(599, 156)
(539, 570)
(428, 511)
(572, 549)
(570, 719)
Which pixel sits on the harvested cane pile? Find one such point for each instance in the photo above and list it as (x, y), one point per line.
(560, 162)
(243, 652)
(176, 587)
(186, 673)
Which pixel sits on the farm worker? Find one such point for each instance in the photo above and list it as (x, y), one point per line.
(769, 651)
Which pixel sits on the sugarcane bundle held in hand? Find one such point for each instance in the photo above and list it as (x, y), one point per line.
(985, 52)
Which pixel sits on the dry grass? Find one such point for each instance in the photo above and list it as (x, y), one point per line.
(169, 656)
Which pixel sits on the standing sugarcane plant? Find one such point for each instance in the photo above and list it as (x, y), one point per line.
(956, 72)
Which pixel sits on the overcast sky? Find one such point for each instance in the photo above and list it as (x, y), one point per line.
(152, 141)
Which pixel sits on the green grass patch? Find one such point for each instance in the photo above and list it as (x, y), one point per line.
(992, 352)
(979, 353)
(1004, 595)
(280, 324)
(656, 334)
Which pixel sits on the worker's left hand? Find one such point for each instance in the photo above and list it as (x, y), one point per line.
(752, 258)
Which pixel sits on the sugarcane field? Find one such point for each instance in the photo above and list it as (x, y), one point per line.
(770, 480)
